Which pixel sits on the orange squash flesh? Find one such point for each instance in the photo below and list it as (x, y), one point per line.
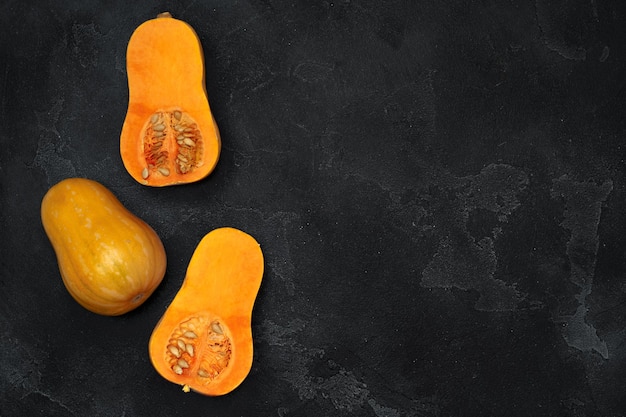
(204, 339)
(169, 135)
(110, 260)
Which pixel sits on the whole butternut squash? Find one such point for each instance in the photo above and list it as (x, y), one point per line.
(169, 135)
(204, 339)
(110, 260)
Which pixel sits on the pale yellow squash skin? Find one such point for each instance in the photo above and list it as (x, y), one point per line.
(110, 260)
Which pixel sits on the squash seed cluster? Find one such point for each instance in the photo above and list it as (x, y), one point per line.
(171, 132)
(199, 346)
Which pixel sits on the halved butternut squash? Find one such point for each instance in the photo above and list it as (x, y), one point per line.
(169, 135)
(204, 339)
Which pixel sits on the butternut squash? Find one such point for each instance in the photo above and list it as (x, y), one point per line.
(110, 260)
(204, 339)
(169, 135)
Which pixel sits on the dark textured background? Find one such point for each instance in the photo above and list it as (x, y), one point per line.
(438, 187)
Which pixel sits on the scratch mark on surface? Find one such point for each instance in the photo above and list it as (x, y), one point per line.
(52, 400)
(183, 13)
(605, 54)
(313, 72)
(242, 26)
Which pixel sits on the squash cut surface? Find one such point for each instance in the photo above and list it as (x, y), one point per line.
(169, 135)
(204, 339)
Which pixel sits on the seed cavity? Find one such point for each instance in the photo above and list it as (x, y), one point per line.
(167, 134)
(201, 345)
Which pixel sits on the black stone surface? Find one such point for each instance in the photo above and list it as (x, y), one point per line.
(438, 188)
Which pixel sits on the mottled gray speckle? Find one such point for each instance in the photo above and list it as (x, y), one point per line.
(294, 362)
(53, 155)
(345, 391)
(381, 411)
(84, 44)
(464, 262)
(583, 207)
(564, 26)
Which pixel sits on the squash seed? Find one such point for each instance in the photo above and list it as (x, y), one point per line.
(145, 173)
(215, 326)
(181, 344)
(189, 142)
(202, 373)
(190, 334)
(174, 350)
(159, 128)
(154, 118)
(177, 114)
(164, 171)
(177, 370)
(189, 349)
(183, 363)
